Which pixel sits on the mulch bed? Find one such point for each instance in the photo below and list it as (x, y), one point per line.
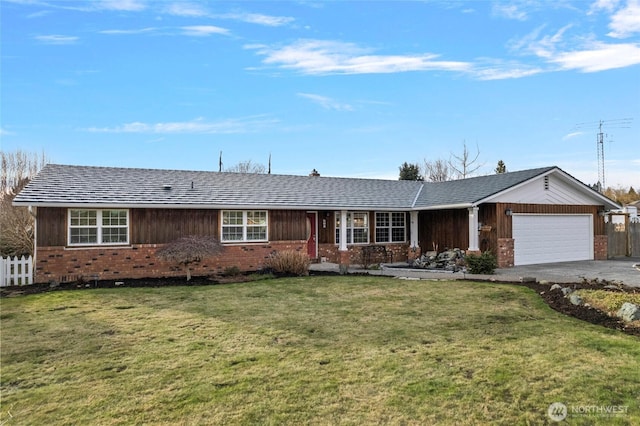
(554, 298)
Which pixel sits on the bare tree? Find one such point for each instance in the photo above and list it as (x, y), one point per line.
(16, 223)
(437, 171)
(187, 250)
(247, 167)
(464, 166)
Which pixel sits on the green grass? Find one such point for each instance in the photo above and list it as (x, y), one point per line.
(313, 350)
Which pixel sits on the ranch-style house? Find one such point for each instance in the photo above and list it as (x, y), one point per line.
(107, 223)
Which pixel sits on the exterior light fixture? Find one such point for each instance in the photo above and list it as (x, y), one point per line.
(508, 212)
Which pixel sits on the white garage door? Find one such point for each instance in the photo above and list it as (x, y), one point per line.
(552, 238)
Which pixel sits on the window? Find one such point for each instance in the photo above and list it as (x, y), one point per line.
(244, 225)
(95, 227)
(390, 227)
(357, 227)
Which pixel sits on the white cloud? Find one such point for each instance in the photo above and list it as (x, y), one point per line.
(326, 102)
(572, 135)
(136, 31)
(606, 5)
(199, 125)
(626, 21)
(599, 57)
(56, 39)
(126, 5)
(260, 19)
(4, 132)
(509, 11)
(186, 9)
(203, 30)
(505, 71)
(335, 57)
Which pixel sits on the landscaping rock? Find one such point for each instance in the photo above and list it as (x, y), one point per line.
(566, 291)
(629, 312)
(556, 287)
(575, 299)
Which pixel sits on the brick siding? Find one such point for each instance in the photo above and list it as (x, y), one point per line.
(505, 254)
(139, 261)
(600, 247)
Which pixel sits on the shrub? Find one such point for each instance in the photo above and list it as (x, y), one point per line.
(187, 250)
(288, 262)
(485, 263)
(231, 271)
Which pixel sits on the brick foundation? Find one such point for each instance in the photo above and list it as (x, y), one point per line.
(139, 261)
(505, 254)
(600, 247)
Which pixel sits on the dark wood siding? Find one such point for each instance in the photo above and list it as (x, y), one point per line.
(52, 226)
(159, 226)
(444, 229)
(504, 221)
(326, 227)
(287, 225)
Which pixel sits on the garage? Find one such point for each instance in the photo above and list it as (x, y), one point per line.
(547, 238)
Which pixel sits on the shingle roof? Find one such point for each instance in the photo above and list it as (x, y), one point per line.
(475, 189)
(109, 186)
(62, 185)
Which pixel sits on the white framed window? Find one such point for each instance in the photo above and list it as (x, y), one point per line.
(248, 225)
(391, 227)
(98, 227)
(357, 227)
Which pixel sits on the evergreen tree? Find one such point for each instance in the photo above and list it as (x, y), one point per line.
(410, 172)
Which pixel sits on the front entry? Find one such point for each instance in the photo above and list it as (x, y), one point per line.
(312, 230)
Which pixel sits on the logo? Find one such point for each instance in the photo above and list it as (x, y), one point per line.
(557, 411)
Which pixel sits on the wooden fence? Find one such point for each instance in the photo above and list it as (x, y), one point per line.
(14, 271)
(624, 239)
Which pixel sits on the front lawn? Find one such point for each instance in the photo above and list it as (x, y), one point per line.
(320, 350)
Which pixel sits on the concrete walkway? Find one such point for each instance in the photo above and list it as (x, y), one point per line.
(614, 270)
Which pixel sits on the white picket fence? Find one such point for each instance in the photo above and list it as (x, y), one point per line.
(14, 271)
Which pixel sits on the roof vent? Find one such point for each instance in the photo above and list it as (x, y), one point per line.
(546, 183)
(166, 187)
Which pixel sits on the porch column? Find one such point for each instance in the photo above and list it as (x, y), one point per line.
(343, 230)
(414, 245)
(342, 248)
(473, 229)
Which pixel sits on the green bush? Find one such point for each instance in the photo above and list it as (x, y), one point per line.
(485, 263)
(288, 262)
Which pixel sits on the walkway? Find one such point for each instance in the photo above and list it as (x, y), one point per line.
(619, 270)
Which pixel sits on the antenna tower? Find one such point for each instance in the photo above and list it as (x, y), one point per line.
(600, 148)
(620, 123)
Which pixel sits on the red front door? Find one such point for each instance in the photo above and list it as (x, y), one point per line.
(312, 243)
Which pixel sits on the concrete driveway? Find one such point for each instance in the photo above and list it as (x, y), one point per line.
(619, 270)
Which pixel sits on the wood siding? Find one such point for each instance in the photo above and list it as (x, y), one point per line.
(160, 226)
(288, 225)
(51, 227)
(504, 221)
(450, 228)
(444, 229)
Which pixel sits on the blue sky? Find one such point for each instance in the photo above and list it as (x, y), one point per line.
(348, 88)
